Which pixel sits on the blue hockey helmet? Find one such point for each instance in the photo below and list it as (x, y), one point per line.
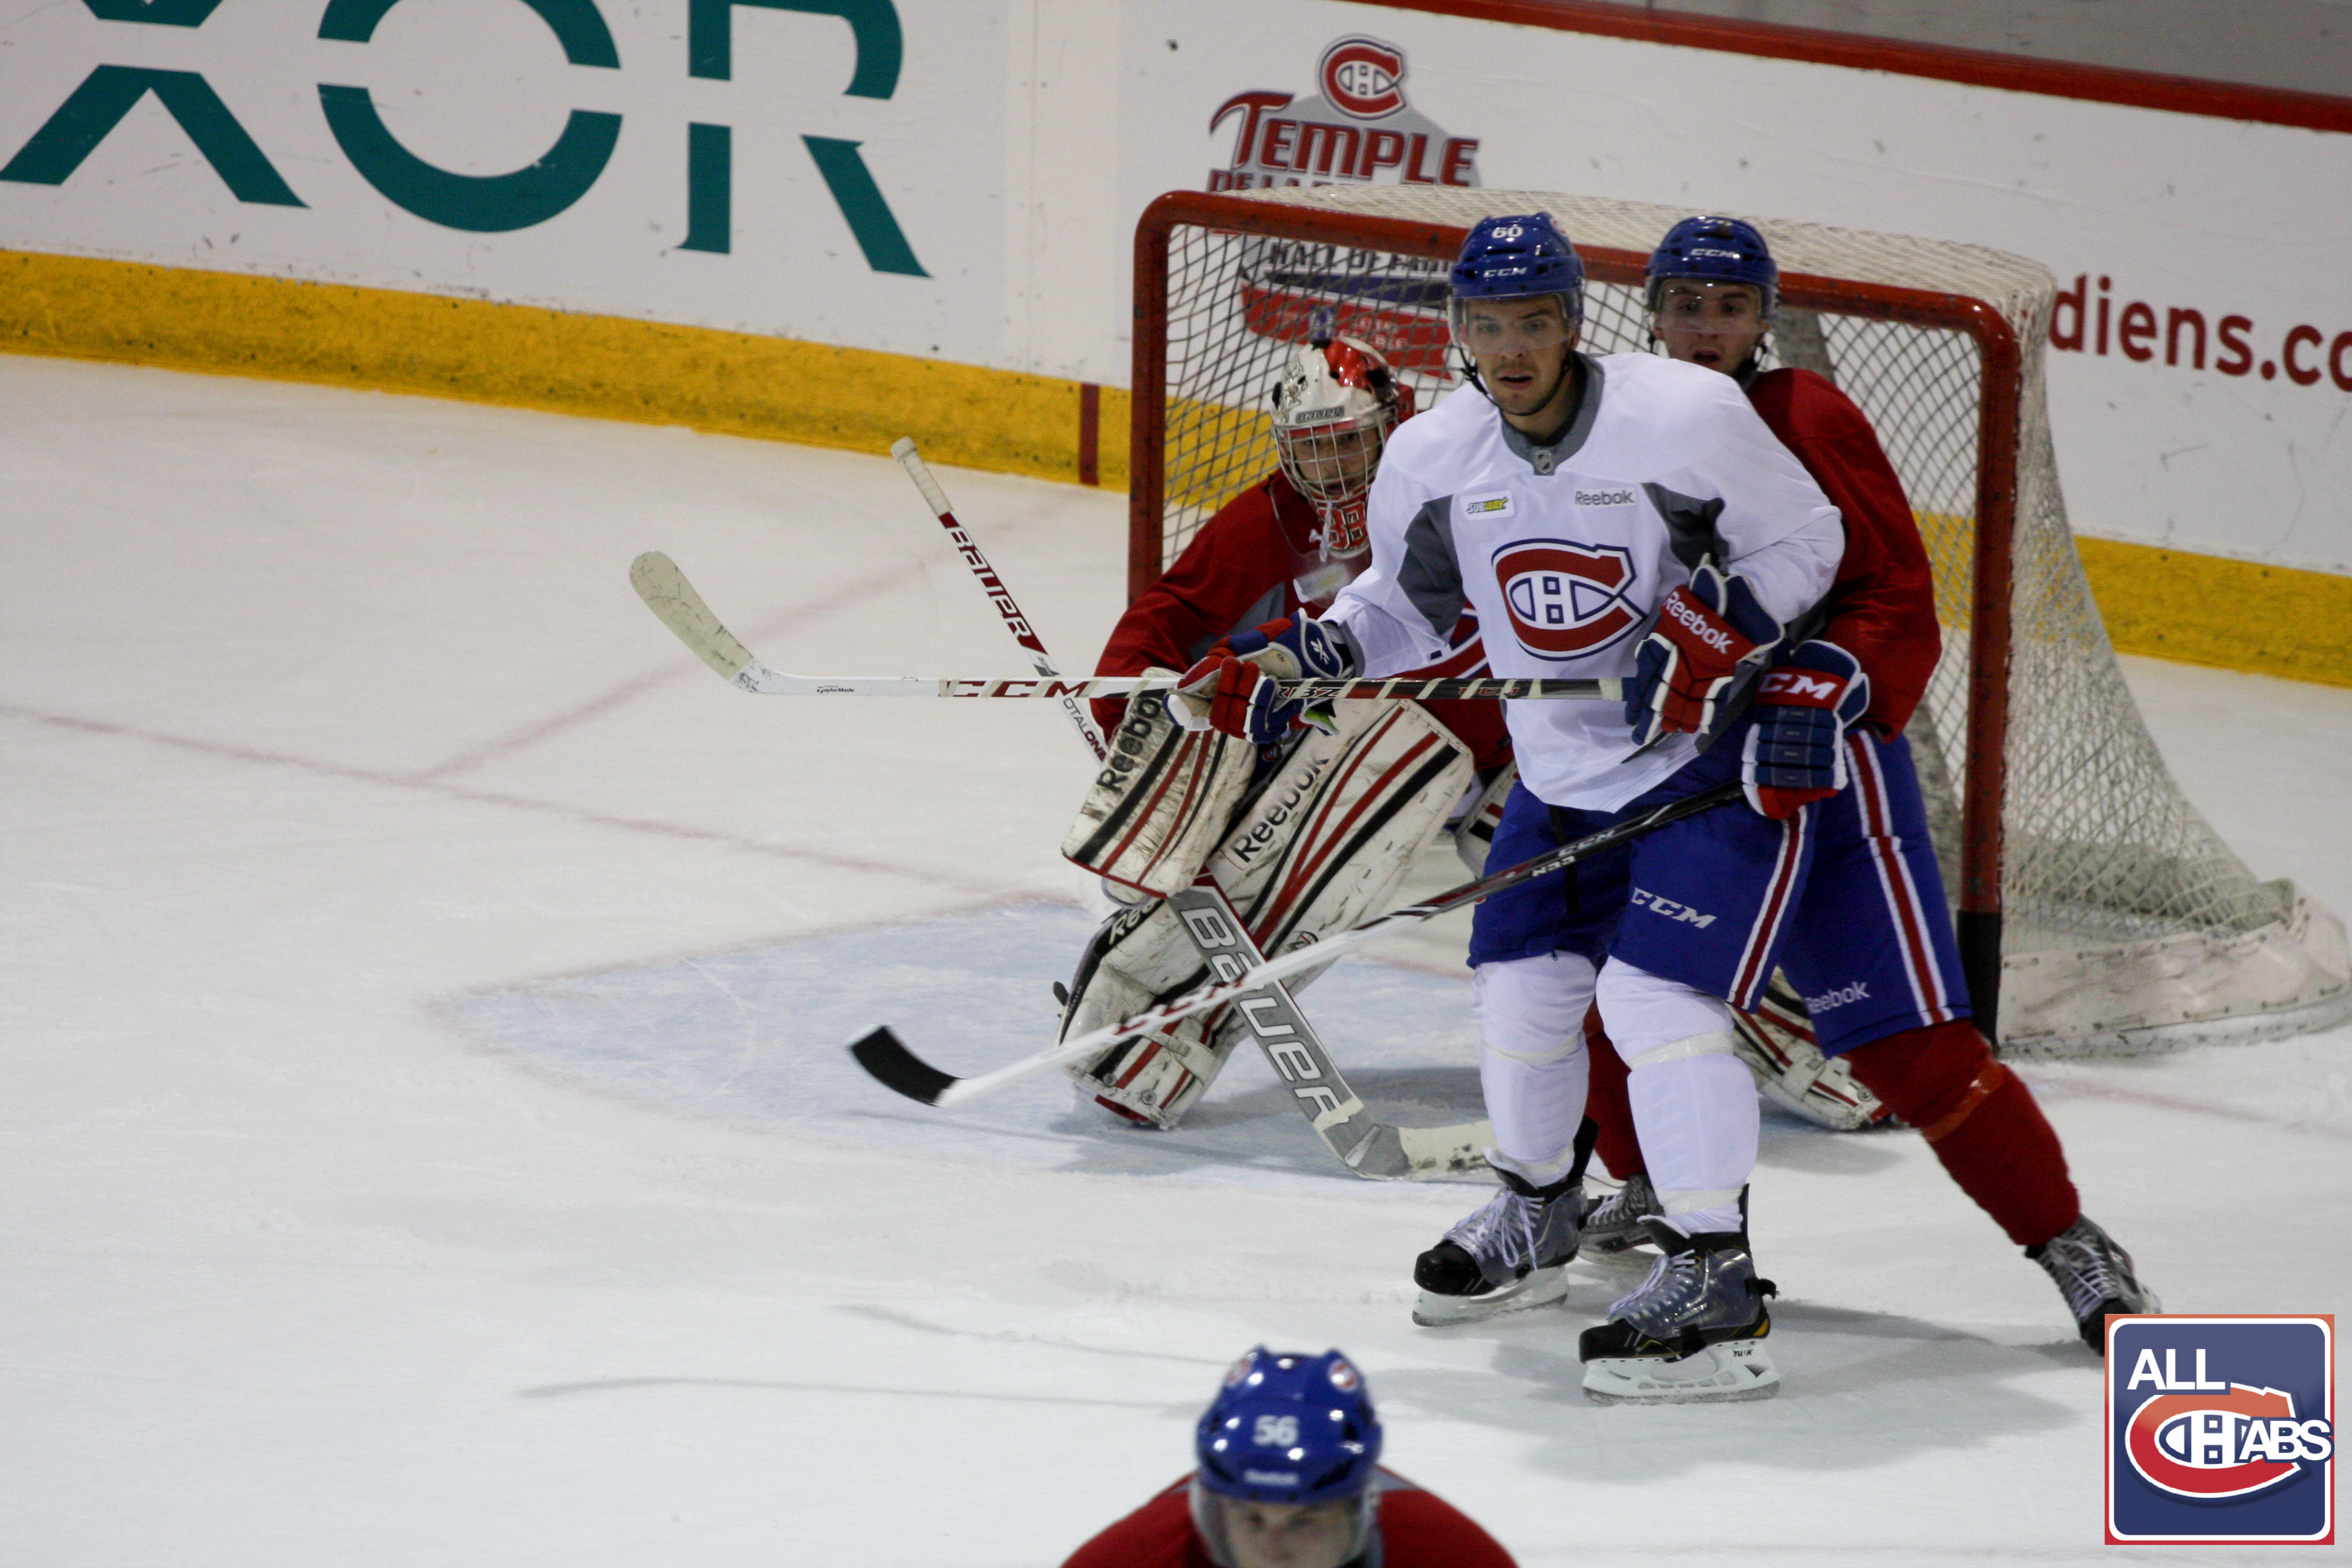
(1516, 258)
(1714, 250)
(1289, 1429)
(1296, 1432)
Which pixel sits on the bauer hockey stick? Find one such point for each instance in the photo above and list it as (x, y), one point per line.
(1369, 1147)
(903, 448)
(887, 1057)
(669, 595)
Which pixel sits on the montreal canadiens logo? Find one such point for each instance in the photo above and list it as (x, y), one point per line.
(1364, 76)
(1566, 600)
(2219, 1444)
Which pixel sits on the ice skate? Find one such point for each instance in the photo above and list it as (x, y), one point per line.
(1693, 1333)
(1511, 1255)
(1615, 1224)
(2096, 1276)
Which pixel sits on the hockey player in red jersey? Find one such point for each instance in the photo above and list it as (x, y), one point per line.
(1289, 1477)
(1289, 543)
(1882, 975)
(1305, 836)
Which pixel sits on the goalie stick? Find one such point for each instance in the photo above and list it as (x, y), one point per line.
(1369, 1147)
(903, 448)
(887, 1057)
(670, 596)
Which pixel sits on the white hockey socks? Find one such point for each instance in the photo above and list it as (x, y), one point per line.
(1693, 1099)
(1533, 1068)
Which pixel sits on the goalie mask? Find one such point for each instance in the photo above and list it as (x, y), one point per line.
(1333, 410)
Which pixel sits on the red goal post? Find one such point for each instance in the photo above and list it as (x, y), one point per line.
(2094, 905)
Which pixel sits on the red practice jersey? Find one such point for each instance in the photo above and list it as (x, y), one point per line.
(1418, 1530)
(1240, 570)
(1882, 607)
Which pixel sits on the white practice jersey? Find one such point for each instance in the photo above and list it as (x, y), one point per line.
(1566, 551)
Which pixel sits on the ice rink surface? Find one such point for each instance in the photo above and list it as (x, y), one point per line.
(428, 1137)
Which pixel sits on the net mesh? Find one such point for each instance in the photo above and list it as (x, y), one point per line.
(2102, 852)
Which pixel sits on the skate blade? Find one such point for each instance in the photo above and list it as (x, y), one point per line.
(1540, 1287)
(1719, 1375)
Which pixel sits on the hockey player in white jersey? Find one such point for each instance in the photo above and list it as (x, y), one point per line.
(1626, 516)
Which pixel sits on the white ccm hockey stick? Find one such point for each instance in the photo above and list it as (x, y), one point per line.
(884, 1055)
(670, 596)
(903, 448)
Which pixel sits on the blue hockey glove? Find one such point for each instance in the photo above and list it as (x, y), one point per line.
(1796, 752)
(1230, 690)
(1711, 639)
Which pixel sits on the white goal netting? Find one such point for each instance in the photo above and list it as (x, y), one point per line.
(2127, 925)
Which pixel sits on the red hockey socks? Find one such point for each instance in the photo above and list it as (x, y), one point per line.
(1609, 1103)
(1979, 1119)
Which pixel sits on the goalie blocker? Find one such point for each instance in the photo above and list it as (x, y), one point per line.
(1317, 845)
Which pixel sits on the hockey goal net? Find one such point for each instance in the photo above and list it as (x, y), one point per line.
(2098, 912)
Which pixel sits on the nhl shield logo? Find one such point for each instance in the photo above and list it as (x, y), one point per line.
(2220, 1429)
(1566, 600)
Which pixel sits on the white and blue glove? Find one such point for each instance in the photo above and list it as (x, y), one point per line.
(1711, 638)
(1231, 688)
(1796, 752)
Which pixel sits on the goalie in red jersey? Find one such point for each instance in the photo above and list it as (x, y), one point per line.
(1289, 1477)
(1872, 958)
(1306, 836)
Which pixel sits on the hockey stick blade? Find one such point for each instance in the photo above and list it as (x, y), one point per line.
(885, 1055)
(670, 596)
(1216, 995)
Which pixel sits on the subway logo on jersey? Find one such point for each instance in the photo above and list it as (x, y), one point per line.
(1566, 600)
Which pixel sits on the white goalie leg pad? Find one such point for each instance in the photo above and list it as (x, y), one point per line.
(1533, 1067)
(1321, 844)
(1693, 1099)
(1161, 803)
(1326, 841)
(1136, 958)
(1473, 831)
(1776, 1043)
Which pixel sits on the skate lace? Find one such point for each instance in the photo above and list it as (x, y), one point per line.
(2087, 1272)
(1625, 1207)
(1503, 1231)
(1671, 1284)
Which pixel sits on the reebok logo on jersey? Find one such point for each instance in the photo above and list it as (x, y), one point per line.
(1604, 498)
(1703, 627)
(1645, 900)
(1838, 998)
(1566, 600)
(1487, 506)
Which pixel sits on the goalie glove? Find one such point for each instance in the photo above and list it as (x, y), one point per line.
(1796, 751)
(1711, 638)
(1229, 689)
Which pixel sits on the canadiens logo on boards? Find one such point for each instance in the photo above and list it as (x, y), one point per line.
(1357, 129)
(1566, 600)
(2221, 1430)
